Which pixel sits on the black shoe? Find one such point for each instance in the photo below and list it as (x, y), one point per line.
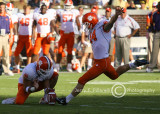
(141, 62)
(61, 101)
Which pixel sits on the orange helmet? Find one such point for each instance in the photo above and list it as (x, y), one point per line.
(94, 10)
(75, 64)
(68, 4)
(90, 20)
(44, 66)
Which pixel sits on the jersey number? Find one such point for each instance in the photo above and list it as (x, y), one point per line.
(24, 21)
(68, 17)
(43, 21)
(93, 36)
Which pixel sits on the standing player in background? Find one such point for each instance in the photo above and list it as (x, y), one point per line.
(87, 44)
(14, 37)
(67, 18)
(24, 32)
(100, 36)
(45, 25)
(52, 13)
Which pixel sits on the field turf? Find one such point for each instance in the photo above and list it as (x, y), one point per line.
(140, 91)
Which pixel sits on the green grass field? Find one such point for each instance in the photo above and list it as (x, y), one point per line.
(141, 95)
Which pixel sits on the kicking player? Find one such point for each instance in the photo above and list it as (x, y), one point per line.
(100, 36)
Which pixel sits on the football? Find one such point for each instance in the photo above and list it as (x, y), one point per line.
(51, 98)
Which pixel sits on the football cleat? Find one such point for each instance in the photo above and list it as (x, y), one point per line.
(79, 70)
(69, 67)
(141, 62)
(16, 71)
(61, 101)
(149, 70)
(57, 68)
(89, 67)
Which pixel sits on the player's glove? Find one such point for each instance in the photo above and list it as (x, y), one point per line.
(87, 44)
(15, 43)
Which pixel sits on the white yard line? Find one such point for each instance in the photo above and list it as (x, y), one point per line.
(128, 82)
(129, 107)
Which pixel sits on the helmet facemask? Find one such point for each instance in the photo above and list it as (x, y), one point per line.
(87, 27)
(9, 11)
(68, 7)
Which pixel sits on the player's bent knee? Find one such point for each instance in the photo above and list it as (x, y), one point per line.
(55, 76)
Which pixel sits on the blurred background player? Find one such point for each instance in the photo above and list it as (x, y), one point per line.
(155, 55)
(67, 18)
(35, 77)
(45, 25)
(24, 28)
(14, 37)
(150, 32)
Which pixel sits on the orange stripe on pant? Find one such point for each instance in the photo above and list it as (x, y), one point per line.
(100, 66)
(22, 95)
(66, 39)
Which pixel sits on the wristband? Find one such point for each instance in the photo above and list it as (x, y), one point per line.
(27, 88)
(32, 89)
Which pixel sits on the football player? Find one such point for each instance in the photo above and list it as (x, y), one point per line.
(45, 25)
(24, 28)
(67, 18)
(13, 37)
(35, 77)
(100, 36)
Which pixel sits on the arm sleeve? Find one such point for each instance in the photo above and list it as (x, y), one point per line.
(135, 25)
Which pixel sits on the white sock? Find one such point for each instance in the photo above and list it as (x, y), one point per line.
(17, 67)
(122, 63)
(69, 97)
(89, 62)
(133, 61)
(132, 65)
(112, 63)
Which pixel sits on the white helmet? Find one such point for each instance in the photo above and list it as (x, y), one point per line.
(9, 8)
(46, 2)
(68, 4)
